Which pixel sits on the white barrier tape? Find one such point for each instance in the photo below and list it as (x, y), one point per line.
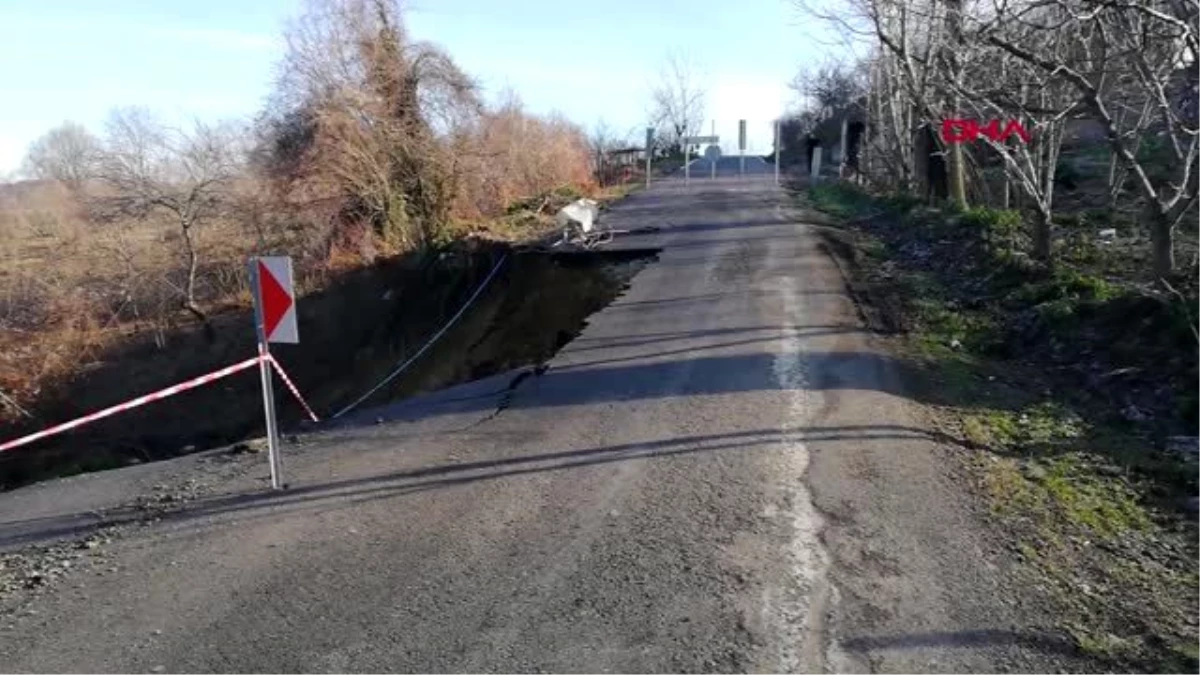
(295, 392)
(141, 400)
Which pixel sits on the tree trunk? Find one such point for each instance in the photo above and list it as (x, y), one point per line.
(1041, 236)
(189, 289)
(957, 170)
(955, 161)
(1114, 188)
(1162, 242)
(920, 165)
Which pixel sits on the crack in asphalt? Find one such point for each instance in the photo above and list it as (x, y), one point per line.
(803, 644)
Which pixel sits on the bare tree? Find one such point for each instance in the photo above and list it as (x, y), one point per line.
(911, 37)
(67, 153)
(830, 88)
(1123, 51)
(368, 116)
(952, 64)
(603, 137)
(149, 170)
(991, 86)
(602, 140)
(794, 129)
(678, 100)
(889, 150)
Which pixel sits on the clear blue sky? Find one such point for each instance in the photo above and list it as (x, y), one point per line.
(211, 59)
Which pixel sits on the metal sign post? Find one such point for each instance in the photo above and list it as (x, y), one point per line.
(274, 321)
(687, 167)
(777, 152)
(687, 144)
(711, 159)
(649, 152)
(268, 387)
(264, 370)
(742, 146)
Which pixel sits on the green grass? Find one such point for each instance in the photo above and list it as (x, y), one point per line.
(874, 249)
(1087, 499)
(1036, 426)
(1102, 505)
(989, 429)
(1065, 284)
(1059, 475)
(840, 199)
(1189, 651)
(1104, 646)
(1065, 494)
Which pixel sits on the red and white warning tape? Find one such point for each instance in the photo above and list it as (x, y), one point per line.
(161, 394)
(139, 401)
(295, 392)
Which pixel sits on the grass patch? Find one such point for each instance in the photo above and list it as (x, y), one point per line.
(1037, 428)
(1033, 367)
(1189, 652)
(1101, 505)
(1064, 495)
(1104, 646)
(840, 199)
(1065, 284)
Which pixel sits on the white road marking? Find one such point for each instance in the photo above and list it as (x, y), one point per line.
(803, 642)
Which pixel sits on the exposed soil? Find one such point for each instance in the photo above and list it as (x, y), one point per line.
(352, 334)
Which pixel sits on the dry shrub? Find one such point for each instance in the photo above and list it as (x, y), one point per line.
(515, 155)
(71, 289)
(390, 132)
(376, 145)
(363, 116)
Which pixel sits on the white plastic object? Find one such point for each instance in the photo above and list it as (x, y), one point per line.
(584, 212)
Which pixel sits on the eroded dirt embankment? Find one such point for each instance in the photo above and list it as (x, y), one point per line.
(352, 334)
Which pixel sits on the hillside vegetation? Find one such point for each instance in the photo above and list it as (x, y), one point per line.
(374, 146)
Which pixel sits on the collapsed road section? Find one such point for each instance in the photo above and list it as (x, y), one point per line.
(525, 304)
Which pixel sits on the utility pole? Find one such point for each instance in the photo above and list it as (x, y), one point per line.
(687, 168)
(777, 152)
(713, 160)
(742, 147)
(649, 152)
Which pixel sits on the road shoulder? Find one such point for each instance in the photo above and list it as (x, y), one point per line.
(1076, 564)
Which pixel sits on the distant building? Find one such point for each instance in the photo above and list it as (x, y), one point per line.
(620, 165)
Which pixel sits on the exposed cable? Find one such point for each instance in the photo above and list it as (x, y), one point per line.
(403, 366)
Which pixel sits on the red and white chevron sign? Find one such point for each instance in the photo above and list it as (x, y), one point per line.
(276, 299)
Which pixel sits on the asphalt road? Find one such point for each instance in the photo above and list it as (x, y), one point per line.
(729, 166)
(722, 473)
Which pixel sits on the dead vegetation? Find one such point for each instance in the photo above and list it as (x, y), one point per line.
(374, 146)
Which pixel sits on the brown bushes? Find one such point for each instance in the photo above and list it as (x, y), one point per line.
(394, 133)
(374, 144)
(516, 155)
